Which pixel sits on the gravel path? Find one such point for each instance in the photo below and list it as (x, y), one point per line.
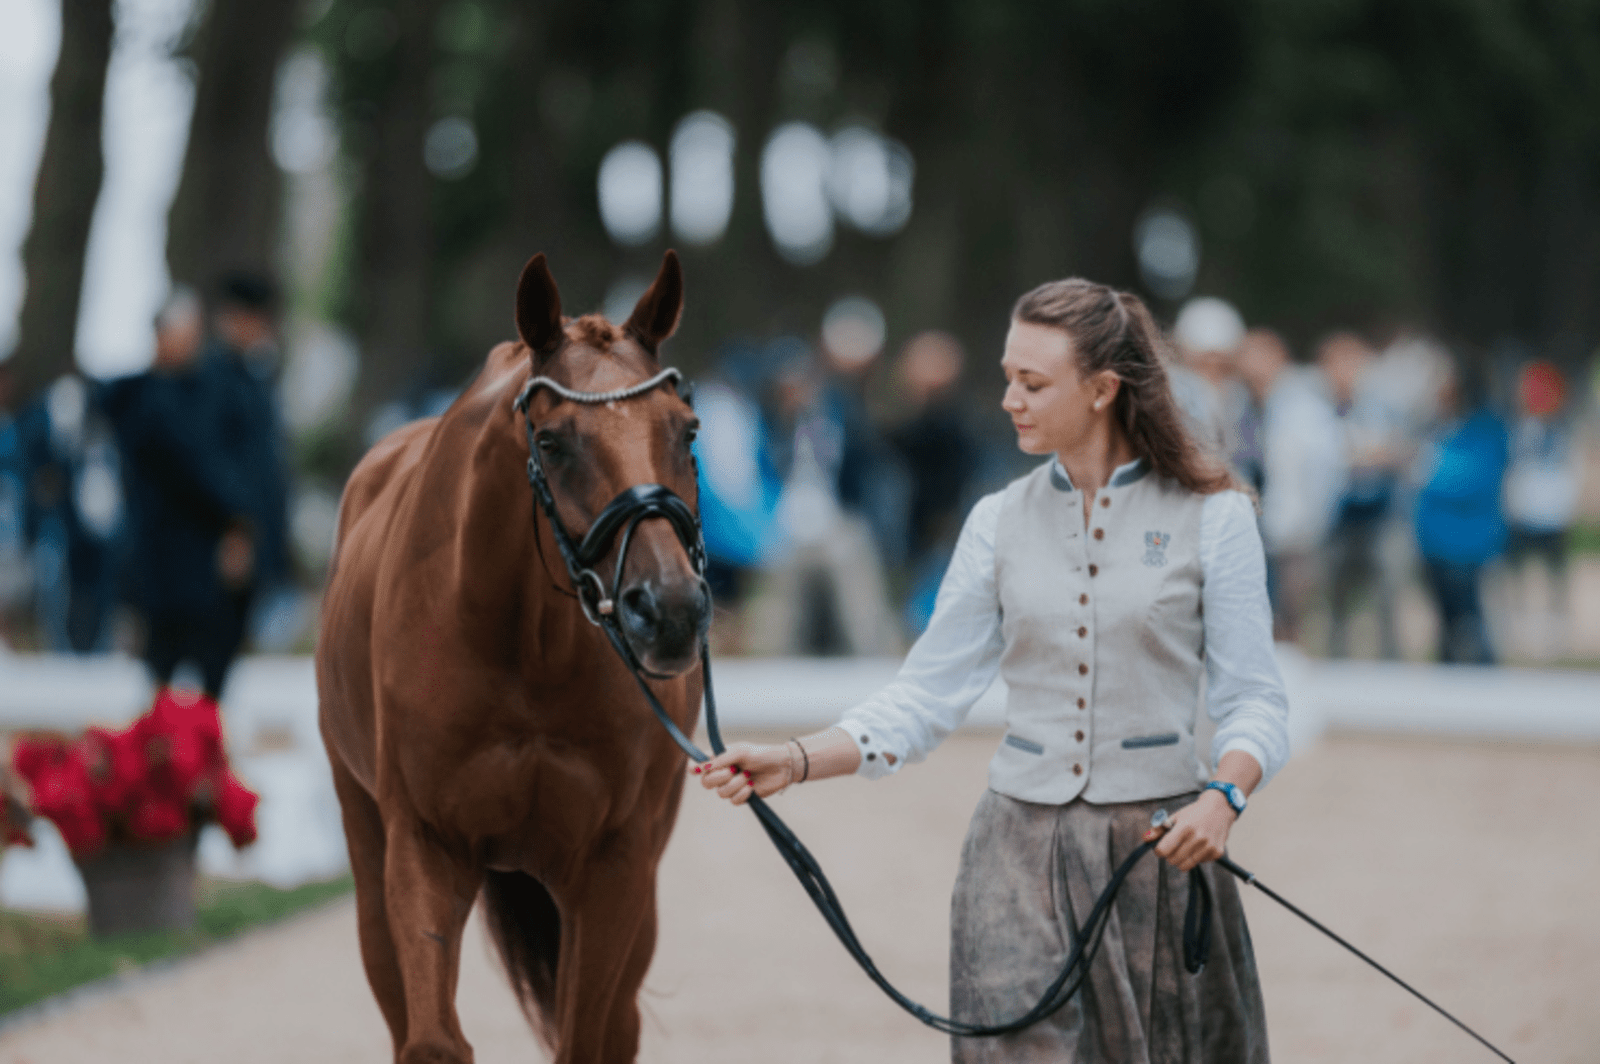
(1468, 869)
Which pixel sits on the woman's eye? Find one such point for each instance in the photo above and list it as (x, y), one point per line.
(1031, 387)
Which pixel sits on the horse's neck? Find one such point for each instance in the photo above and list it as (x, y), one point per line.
(509, 572)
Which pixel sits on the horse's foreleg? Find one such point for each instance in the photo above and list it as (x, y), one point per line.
(363, 832)
(622, 1030)
(429, 894)
(607, 937)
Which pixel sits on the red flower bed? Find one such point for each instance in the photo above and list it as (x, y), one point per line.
(151, 782)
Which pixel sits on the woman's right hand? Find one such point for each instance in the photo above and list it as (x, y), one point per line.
(745, 769)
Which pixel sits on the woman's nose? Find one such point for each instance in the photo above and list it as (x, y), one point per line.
(1010, 401)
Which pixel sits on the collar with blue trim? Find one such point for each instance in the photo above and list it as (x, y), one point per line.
(1123, 475)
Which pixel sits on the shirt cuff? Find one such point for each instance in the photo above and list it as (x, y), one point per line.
(875, 763)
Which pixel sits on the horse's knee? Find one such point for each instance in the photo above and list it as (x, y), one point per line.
(429, 1051)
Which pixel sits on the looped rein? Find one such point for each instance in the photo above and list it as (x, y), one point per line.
(654, 500)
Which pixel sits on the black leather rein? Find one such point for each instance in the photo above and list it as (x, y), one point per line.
(644, 501)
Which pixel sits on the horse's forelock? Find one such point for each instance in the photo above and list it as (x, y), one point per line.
(595, 331)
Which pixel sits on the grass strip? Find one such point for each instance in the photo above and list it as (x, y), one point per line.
(42, 955)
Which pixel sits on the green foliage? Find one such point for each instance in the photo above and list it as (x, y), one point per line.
(1363, 163)
(42, 955)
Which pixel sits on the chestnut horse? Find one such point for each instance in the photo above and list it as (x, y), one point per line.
(484, 736)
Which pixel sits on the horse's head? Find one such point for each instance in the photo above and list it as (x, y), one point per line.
(595, 451)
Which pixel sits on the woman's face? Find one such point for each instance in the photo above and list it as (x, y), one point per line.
(1051, 406)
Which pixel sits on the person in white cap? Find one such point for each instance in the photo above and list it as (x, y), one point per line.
(1207, 334)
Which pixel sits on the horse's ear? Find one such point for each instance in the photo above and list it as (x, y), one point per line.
(538, 307)
(656, 316)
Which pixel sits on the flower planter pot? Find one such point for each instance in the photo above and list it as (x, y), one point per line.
(141, 888)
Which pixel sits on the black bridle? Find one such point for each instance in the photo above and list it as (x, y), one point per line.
(645, 501)
(633, 505)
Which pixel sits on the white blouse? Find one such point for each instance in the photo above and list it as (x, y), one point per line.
(957, 658)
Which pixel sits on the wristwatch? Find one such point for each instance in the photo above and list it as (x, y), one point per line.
(1231, 791)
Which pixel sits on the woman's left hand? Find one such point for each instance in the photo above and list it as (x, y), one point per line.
(1196, 833)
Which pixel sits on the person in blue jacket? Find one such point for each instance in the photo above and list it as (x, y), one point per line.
(1459, 524)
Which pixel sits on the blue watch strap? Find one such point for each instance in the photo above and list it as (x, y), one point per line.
(1231, 791)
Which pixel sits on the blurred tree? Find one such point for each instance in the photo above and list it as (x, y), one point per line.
(225, 214)
(64, 195)
(1368, 163)
(384, 62)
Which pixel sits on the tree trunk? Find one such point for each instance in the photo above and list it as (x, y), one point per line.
(63, 199)
(226, 211)
(395, 231)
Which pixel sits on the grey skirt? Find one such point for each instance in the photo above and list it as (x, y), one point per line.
(1029, 875)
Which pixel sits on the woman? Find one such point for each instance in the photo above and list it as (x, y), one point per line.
(1098, 586)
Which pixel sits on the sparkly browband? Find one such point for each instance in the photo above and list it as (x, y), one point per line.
(525, 396)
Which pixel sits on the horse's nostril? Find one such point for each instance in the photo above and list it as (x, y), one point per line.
(640, 605)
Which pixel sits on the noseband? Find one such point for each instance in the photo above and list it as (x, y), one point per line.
(622, 514)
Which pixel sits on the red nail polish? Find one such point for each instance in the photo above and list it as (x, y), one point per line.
(697, 770)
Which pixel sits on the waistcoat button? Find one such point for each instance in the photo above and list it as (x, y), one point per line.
(1083, 670)
(1099, 533)
(1079, 736)
(1105, 501)
(1083, 600)
(1094, 570)
(1082, 632)
(1077, 770)
(1081, 703)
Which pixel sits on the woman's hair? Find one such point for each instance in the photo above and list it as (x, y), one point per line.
(1114, 331)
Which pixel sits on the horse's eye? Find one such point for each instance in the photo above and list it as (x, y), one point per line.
(548, 443)
(691, 433)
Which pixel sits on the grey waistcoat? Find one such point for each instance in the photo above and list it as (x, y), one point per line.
(1103, 640)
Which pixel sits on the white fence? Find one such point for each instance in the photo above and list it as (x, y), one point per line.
(271, 708)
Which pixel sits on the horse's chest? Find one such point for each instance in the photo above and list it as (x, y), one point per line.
(533, 802)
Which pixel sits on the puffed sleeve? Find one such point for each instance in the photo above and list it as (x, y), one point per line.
(949, 667)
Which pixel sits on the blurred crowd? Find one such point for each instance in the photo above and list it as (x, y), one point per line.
(828, 523)
(1373, 463)
(149, 513)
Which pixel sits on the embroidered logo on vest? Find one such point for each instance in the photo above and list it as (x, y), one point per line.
(1155, 548)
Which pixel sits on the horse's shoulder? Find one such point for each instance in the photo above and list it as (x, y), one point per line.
(382, 467)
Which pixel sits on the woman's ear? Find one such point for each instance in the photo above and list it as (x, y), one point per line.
(1104, 387)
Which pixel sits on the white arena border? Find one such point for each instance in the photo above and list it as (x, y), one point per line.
(270, 718)
(273, 699)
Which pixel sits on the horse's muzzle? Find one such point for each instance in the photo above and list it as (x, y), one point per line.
(664, 622)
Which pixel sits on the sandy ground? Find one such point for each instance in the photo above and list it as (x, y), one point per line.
(1469, 869)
